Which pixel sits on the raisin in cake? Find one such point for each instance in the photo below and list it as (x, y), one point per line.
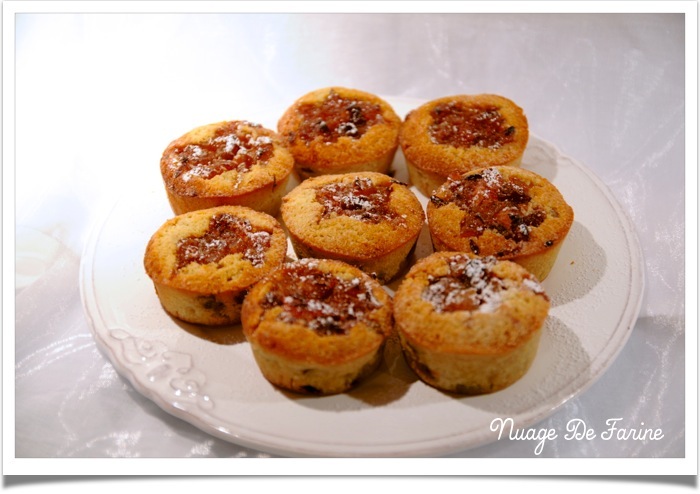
(366, 219)
(317, 326)
(467, 324)
(340, 130)
(456, 134)
(226, 163)
(506, 212)
(202, 263)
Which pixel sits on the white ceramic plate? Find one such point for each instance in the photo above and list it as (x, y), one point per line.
(209, 378)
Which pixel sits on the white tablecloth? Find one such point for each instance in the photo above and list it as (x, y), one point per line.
(98, 96)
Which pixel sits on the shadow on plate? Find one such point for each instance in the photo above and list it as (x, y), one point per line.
(561, 367)
(389, 383)
(221, 335)
(580, 266)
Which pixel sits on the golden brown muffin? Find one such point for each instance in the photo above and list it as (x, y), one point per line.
(366, 219)
(203, 262)
(340, 130)
(317, 326)
(510, 213)
(226, 163)
(456, 134)
(467, 324)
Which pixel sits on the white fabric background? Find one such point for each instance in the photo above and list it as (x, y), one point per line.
(98, 96)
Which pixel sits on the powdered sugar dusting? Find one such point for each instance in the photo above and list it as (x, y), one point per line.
(461, 124)
(235, 146)
(324, 302)
(227, 234)
(470, 285)
(361, 199)
(492, 177)
(532, 284)
(333, 118)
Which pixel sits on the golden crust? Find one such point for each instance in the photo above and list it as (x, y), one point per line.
(525, 227)
(317, 233)
(231, 273)
(475, 333)
(433, 158)
(210, 292)
(373, 151)
(496, 326)
(251, 169)
(324, 348)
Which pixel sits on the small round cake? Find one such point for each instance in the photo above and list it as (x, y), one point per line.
(469, 325)
(203, 262)
(456, 134)
(317, 326)
(366, 219)
(340, 130)
(226, 163)
(506, 212)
